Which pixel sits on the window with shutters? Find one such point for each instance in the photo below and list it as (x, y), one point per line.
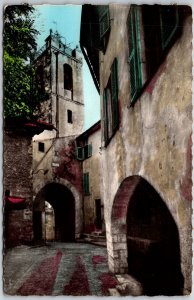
(86, 186)
(148, 47)
(110, 104)
(104, 25)
(84, 152)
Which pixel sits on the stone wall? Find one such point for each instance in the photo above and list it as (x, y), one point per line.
(18, 181)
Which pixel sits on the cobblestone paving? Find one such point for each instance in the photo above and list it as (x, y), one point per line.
(75, 269)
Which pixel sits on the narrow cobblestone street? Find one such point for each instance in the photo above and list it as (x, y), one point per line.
(57, 269)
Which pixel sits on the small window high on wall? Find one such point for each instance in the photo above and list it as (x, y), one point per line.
(68, 80)
(41, 147)
(69, 116)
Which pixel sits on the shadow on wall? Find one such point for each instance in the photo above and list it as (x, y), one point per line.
(153, 243)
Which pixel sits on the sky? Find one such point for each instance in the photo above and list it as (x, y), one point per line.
(66, 20)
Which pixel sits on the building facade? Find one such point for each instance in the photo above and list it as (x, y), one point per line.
(146, 138)
(89, 152)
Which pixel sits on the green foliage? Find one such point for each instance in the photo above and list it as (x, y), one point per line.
(20, 92)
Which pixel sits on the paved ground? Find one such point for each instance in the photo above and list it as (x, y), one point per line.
(57, 269)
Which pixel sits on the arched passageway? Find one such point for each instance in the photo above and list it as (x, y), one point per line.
(151, 236)
(62, 201)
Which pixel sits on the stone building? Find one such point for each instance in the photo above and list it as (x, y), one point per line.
(57, 174)
(135, 55)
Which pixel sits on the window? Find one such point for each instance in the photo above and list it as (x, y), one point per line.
(86, 184)
(160, 25)
(41, 147)
(84, 152)
(68, 80)
(110, 104)
(104, 25)
(69, 116)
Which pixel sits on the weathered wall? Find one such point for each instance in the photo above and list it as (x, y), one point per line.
(92, 165)
(154, 138)
(18, 180)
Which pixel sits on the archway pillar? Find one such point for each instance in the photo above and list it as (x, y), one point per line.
(117, 248)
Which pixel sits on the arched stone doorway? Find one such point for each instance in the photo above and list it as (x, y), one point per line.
(62, 201)
(145, 238)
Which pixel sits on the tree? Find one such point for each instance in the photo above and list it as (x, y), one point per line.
(20, 93)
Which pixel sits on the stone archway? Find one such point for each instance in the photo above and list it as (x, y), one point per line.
(145, 239)
(63, 202)
(39, 191)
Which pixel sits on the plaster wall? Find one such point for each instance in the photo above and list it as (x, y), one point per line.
(92, 165)
(154, 137)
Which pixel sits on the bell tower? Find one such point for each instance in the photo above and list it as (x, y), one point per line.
(59, 73)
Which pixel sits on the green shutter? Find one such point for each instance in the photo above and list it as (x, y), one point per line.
(169, 20)
(134, 53)
(105, 116)
(104, 25)
(79, 153)
(114, 93)
(89, 150)
(86, 183)
(104, 19)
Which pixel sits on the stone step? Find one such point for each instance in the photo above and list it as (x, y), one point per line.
(128, 285)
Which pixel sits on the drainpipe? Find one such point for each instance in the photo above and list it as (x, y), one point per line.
(57, 95)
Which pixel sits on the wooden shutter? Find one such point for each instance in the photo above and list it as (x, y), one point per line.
(89, 150)
(104, 19)
(79, 153)
(169, 20)
(134, 53)
(104, 25)
(114, 93)
(86, 183)
(105, 116)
